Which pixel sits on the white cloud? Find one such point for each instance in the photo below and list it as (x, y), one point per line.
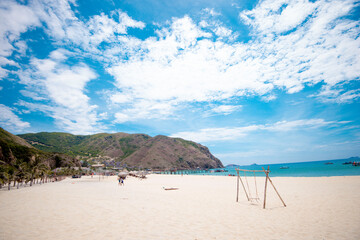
(279, 15)
(60, 23)
(62, 88)
(76, 121)
(245, 154)
(318, 50)
(4, 61)
(222, 31)
(268, 98)
(121, 118)
(15, 19)
(185, 65)
(225, 109)
(211, 12)
(337, 94)
(294, 44)
(32, 95)
(102, 28)
(63, 25)
(233, 133)
(180, 67)
(216, 134)
(298, 124)
(10, 121)
(127, 22)
(141, 109)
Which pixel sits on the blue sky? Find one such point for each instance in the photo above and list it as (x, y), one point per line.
(257, 82)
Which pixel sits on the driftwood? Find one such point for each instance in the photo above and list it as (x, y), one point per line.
(170, 188)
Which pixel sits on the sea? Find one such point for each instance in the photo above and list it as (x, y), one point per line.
(326, 168)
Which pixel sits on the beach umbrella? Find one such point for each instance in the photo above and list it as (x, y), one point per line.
(123, 174)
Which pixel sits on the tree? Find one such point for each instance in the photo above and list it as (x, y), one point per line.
(58, 161)
(3, 175)
(10, 175)
(21, 173)
(36, 169)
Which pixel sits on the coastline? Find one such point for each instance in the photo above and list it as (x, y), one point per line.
(203, 207)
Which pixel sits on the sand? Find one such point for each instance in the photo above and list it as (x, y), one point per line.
(203, 207)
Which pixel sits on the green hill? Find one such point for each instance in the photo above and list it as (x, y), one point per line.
(134, 150)
(15, 149)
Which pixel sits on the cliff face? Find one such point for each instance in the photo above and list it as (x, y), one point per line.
(134, 150)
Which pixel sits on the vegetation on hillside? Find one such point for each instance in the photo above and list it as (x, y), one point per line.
(20, 163)
(127, 150)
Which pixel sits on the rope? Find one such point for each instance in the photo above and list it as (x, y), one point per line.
(248, 195)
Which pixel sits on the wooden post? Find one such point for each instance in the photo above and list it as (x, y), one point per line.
(237, 188)
(266, 178)
(243, 185)
(277, 192)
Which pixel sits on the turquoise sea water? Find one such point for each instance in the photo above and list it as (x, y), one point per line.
(302, 169)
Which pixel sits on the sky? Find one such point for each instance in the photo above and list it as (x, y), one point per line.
(256, 82)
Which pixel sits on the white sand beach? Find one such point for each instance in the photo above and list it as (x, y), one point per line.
(203, 207)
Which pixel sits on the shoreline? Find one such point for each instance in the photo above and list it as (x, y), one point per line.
(202, 207)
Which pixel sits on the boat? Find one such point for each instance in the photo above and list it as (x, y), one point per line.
(284, 167)
(328, 163)
(346, 163)
(356, 164)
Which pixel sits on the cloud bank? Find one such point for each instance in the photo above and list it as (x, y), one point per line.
(293, 44)
(10, 121)
(234, 133)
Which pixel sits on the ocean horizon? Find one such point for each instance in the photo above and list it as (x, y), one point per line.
(323, 168)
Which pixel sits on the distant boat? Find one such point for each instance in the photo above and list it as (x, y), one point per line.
(328, 163)
(356, 164)
(346, 163)
(284, 167)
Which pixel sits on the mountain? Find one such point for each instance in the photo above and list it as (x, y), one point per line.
(232, 166)
(5, 136)
(164, 152)
(14, 148)
(133, 150)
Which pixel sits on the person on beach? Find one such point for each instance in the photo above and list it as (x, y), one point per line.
(121, 181)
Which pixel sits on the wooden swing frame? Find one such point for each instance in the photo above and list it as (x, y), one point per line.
(267, 178)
